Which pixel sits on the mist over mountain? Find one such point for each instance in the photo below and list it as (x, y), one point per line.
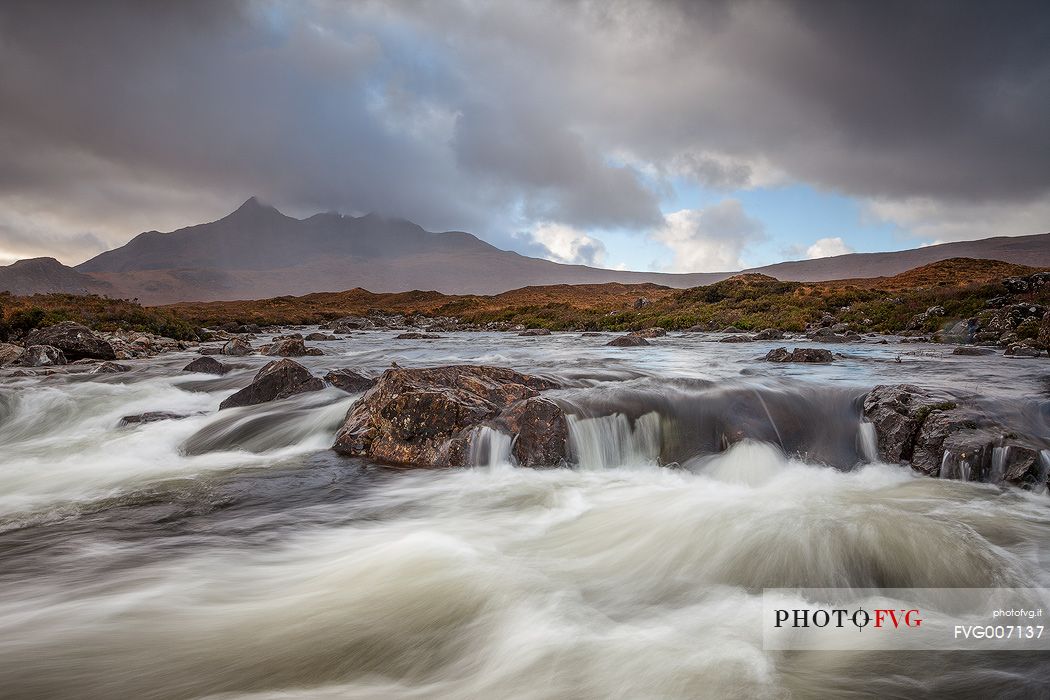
(258, 252)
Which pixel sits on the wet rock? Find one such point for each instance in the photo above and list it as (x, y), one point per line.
(426, 417)
(817, 355)
(731, 329)
(976, 454)
(1022, 465)
(840, 328)
(967, 455)
(825, 335)
(349, 323)
(591, 334)
(41, 356)
(651, 333)
(946, 439)
(74, 340)
(9, 352)
(542, 433)
(423, 336)
(741, 338)
(897, 411)
(627, 341)
(534, 331)
(1022, 350)
(288, 347)
(349, 381)
(769, 334)
(941, 420)
(110, 368)
(151, 417)
(320, 337)
(277, 380)
(972, 350)
(237, 347)
(207, 365)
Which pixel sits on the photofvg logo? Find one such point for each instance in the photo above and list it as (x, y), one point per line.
(906, 618)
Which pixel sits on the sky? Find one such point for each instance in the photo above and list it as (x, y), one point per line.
(671, 136)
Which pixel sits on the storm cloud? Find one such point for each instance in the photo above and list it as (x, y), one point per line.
(498, 118)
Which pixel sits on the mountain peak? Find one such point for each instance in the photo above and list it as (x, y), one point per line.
(254, 205)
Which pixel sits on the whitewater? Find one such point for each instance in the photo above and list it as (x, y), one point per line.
(233, 555)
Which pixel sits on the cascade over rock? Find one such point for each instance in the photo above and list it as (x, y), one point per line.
(944, 437)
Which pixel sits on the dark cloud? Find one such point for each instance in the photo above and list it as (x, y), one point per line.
(496, 117)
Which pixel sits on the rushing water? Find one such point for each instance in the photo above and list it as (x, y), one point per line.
(233, 555)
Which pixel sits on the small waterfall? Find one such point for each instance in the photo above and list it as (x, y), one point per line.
(608, 442)
(490, 447)
(869, 442)
(947, 461)
(1044, 469)
(998, 471)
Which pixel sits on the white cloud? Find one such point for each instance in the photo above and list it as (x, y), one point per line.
(828, 247)
(566, 244)
(712, 239)
(943, 222)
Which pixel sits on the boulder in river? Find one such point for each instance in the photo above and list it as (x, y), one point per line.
(41, 356)
(972, 350)
(74, 340)
(816, 355)
(941, 437)
(277, 380)
(320, 336)
(416, 336)
(207, 365)
(349, 381)
(237, 347)
(109, 368)
(9, 352)
(1022, 350)
(534, 331)
(826, 335)
(291, 347)
(769, 334)
(150, 417)
(655, 332)
(897, 411)
(428, 417)
(627, 341)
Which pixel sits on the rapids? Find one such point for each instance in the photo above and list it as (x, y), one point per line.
(232, 555)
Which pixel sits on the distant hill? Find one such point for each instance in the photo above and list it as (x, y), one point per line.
(257, 252)
(1024, 250)
(45, 275)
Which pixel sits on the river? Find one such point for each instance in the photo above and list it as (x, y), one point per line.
(233, 555)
